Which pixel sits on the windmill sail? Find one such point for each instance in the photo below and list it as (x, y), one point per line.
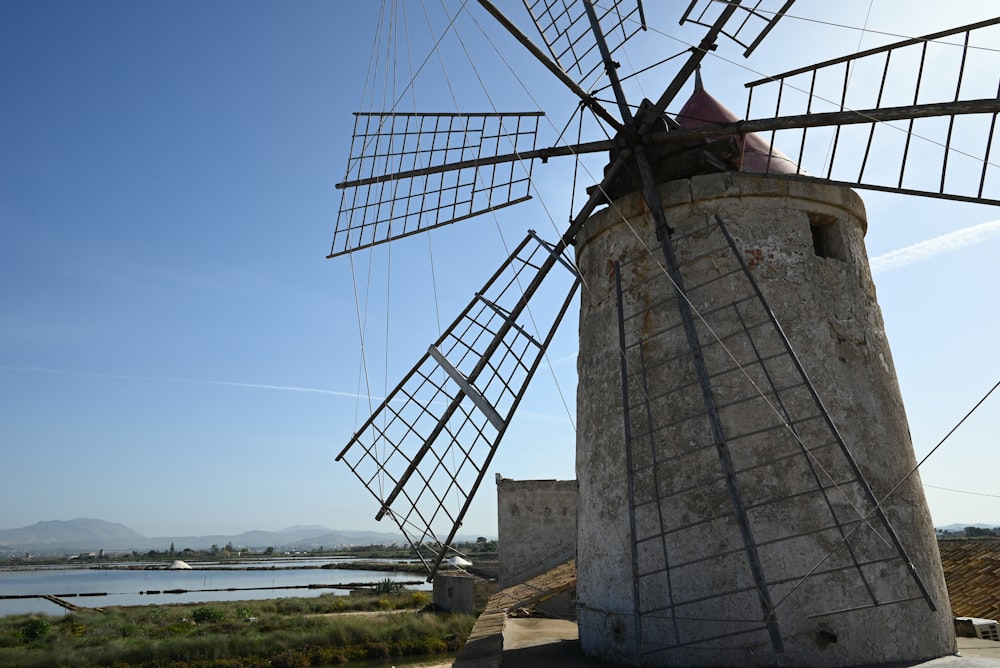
(397, 183)
(425, 450)
(774, 452)
(902, 118)
(567, 32)
(752, 23)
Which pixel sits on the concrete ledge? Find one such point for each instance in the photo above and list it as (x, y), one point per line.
(484, 648)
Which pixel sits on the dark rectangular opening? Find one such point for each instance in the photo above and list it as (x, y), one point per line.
(826, 236)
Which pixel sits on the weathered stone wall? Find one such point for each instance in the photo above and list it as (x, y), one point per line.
(537, 527)
(461, 592)
(821, 292)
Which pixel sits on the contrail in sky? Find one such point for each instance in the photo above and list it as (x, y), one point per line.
(229, 383)
(946, 243)
(257, 386)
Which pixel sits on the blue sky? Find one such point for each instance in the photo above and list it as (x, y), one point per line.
(177, 354)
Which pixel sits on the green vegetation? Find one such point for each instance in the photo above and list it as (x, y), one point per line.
(208, 616)
(388, 586)
(276, 632)
(36, 628)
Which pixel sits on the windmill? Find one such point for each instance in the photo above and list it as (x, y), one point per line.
(740, 501)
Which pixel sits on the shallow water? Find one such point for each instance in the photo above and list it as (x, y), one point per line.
(131, 584)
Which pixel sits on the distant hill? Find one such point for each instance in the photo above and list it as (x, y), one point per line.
(72, 533)
(86, 535)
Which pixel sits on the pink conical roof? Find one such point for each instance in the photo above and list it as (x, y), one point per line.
(756, 153)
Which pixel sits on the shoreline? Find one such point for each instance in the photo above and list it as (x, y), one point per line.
(25, 587)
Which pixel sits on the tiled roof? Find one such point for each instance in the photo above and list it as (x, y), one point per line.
(756, 153)
(972, 573)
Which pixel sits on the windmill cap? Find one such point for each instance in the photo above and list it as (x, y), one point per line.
(755, 153)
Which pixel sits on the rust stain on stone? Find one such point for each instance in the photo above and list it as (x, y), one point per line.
(756, 256)
(647, 322)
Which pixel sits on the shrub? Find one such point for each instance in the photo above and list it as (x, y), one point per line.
(244, 612)
(34, 629)
(72, 627)
(388, 586)
(208, 615)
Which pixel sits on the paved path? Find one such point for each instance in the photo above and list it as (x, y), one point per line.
(539, 643)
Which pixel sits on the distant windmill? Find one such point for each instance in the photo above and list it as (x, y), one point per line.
(742, 452)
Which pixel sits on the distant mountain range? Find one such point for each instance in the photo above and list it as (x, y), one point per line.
(87, 535)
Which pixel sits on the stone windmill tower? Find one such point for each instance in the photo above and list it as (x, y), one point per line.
(746, 487)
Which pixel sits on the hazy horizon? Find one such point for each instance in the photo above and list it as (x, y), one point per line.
(339, 529)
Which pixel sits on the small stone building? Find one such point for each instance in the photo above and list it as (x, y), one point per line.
(537, 532)
(462, 592)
